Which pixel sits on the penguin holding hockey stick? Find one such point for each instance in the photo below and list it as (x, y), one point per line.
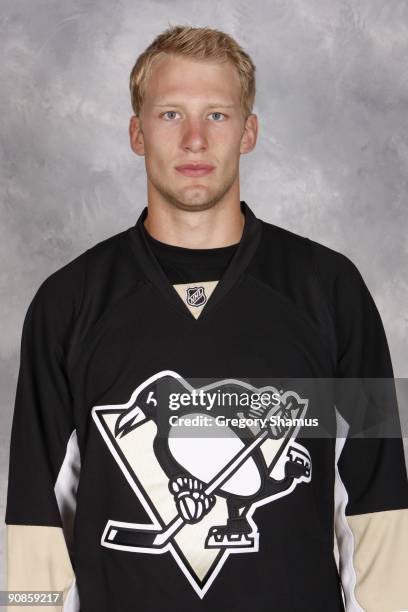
(233, 465)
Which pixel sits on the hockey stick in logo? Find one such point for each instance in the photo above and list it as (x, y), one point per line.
(147, 537)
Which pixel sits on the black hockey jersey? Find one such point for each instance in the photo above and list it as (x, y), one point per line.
(164, 454)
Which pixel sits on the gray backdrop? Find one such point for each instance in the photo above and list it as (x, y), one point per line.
(331, 161)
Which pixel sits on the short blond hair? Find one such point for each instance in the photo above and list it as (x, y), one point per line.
(200, 44)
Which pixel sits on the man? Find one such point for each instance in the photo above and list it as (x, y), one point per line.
(204, 317)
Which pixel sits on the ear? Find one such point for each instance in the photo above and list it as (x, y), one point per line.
(136, 135)
(248, 140)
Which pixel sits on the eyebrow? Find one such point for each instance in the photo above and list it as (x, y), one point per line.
(214, 105)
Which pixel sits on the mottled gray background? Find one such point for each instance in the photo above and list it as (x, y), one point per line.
(331, 162)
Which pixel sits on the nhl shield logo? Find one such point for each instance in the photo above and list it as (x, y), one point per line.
(200, 492)
(195, 296)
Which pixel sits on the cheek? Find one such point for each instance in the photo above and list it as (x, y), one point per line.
(226, 140)
(157, 137)
(228, 147)
(159, 150)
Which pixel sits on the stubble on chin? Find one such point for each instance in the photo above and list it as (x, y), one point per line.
(193, 200)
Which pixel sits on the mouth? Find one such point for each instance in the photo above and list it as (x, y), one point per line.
(195, 169)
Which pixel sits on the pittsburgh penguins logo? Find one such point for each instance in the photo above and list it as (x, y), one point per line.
(195, 296)
(200, 490)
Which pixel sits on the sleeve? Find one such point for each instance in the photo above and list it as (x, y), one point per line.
(44, 461)
(371, 490)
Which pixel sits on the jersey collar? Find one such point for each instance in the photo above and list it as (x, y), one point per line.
(155, 275)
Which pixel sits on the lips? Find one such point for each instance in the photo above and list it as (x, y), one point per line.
(195, 169)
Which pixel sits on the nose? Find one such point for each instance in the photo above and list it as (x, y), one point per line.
(194, 136)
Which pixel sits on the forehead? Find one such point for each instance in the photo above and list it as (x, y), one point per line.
(174, 77)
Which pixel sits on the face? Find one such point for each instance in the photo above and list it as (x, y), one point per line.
(191, 132)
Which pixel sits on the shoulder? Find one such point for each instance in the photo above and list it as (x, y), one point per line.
(305, 255)
(60, 295)
(322, 281)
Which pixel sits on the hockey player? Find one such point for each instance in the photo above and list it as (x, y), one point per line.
(106, 502)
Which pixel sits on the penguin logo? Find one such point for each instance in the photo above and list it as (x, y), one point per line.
(200, 490)
(195, 296)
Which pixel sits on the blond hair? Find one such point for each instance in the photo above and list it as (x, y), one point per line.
(199, 44)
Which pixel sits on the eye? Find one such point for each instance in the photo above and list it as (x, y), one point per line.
(217, 113)
(169, 113)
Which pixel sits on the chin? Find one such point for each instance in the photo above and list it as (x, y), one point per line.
(193, 198)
